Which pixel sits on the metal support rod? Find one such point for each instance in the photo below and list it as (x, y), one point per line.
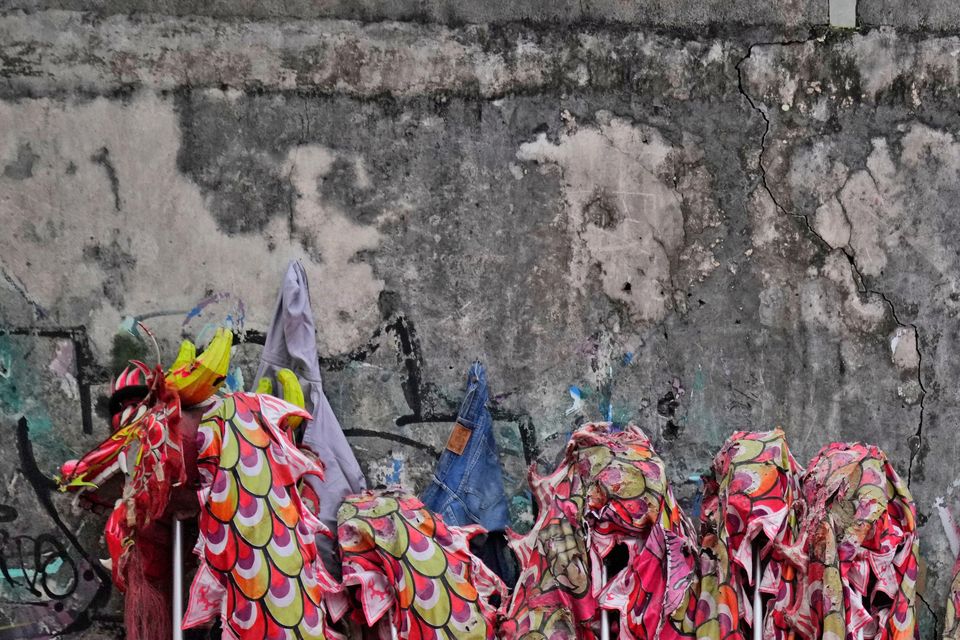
(604, 614)
(177, 579)
(757, 604)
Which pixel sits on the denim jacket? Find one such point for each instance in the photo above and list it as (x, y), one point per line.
(467, 487)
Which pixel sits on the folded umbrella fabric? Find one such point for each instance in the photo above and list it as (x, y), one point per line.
(291, 344)
(749, 507)
(861, 542)
(609, 490)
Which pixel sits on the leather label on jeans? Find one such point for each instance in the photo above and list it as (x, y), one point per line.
(459, 438)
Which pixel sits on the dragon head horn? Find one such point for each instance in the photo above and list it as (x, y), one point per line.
(196, 379)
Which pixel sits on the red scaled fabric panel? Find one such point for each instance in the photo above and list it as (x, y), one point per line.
(259, 568)
(553, 598)
(610, 489)
(751, 496)
(861, 541)
(414, 572)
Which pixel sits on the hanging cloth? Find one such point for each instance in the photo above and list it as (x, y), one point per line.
(467, 485)
(415, 573)
(291, 343)
(861, 541)
(750, 501)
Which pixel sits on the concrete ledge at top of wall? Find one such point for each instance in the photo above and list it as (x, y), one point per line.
(925, 15)
(663, 13)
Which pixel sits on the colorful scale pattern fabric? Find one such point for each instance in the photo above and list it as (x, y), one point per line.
(610, 489)
(752, 491)
(259, 566)
(861, 542)
(414, 573)
(552, 598)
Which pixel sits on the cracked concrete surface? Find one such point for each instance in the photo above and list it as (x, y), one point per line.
(739, 228)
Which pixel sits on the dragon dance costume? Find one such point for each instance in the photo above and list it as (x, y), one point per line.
(414, 573)
(861, 543)
(609, 490)
(260, 570)
(838, 543)
(259, 567)
(748, 508)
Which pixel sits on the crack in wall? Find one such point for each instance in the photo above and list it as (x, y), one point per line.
(916, 440)
(39, 313)
(936, 619)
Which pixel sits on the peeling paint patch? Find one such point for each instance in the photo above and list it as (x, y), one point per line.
(167, 225)
(903, 349)
(622, 216)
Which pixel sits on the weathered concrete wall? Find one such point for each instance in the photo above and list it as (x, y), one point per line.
(743, 221)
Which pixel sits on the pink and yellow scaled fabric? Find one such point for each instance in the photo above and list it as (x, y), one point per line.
(749, 507)
(860, 538)
(610, 490)
(837, 544)
(260, 570)
(413, 573)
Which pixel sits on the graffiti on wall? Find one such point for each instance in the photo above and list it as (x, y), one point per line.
(50, 584)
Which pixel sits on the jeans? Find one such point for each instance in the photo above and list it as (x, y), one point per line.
(467, 488)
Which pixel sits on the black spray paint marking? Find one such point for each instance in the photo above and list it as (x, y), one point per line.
(102, 157)
(31, 564)
(43, 488)
(408, 354)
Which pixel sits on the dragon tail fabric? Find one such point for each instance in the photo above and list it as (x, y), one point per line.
(260, 570)
(413, 571)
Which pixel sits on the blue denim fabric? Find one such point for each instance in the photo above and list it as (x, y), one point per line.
(468, 489)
